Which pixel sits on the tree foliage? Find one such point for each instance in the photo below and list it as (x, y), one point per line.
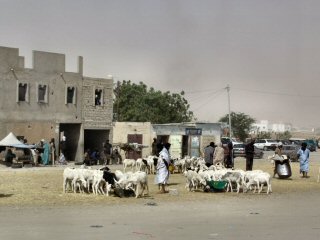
(284, 136)
(240, 124)
(266, 135)
(136, 103)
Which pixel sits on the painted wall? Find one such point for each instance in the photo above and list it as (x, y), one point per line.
(122, 129)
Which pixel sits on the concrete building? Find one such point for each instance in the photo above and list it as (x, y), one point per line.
(266, 126)
(47, 102)
(185, 138)
(188, 138)
(134, 132)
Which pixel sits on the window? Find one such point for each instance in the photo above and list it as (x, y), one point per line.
(70, 95)
(42, 93)
(98, 97)
(22, 92)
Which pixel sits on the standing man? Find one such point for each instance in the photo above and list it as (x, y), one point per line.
(163, 163)
(249, 151)
(304, 154)
(218, 155)
(46, 153)
(229, 157)
(107, 150)
(63, 146)
(208, 154)
(154, 147)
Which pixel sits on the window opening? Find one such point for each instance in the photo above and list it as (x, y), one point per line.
(23, 90)
(70, 94)
(98, 97)
(42, 91)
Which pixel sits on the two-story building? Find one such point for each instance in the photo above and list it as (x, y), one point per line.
(45, 102)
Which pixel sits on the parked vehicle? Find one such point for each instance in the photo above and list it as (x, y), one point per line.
(297, 141)
(226, 140)
(258, 153)
(238, 151)
(291, 151)
(266, 144)
(311, 145)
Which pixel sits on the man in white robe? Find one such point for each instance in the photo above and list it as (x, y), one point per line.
(162, 176)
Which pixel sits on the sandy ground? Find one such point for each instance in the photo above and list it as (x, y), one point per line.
(33, 207)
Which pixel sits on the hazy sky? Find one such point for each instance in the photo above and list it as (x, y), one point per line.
(267, 51)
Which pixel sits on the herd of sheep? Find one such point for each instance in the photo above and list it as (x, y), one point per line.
(135, 177)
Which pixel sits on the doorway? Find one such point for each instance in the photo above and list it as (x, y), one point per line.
(72, 133)
(134, 138)
(94, 139)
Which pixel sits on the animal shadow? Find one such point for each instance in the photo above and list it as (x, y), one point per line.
(5, 195)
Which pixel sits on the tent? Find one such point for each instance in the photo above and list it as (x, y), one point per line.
(11, 141)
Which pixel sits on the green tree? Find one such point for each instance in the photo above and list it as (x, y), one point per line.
(284, 136)
(266, 135)
(136, 103)
(240, 124)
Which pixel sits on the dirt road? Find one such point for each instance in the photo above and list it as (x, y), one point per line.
(290, 216)
(32, 206)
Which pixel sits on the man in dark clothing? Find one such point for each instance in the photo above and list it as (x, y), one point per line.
(154, 147)
(249, 151)
(107, 150)
(159, 148)
(229, 157)
(9, 157)
(208, 154)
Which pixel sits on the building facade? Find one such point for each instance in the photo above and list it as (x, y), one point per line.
(45, 102)
(188, 139)
(185, 138)
(267, 127)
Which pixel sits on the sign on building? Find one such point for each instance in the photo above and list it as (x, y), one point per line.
(193, 131)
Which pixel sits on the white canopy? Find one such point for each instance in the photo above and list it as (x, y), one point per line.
(11, 141)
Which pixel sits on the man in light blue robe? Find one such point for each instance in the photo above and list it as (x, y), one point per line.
(303, 155)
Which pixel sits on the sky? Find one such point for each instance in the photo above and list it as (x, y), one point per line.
(267, 51)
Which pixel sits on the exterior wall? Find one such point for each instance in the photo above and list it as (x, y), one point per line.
(265, 126)
(36, 120)
(33, 130)
(210, 132)
(122, 129)
(97, 116)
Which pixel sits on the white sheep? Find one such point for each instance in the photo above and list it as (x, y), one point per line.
(193, 180)
(128, 163)
(236, 176)
(72, 178)
(134, 181)
(260, 179)
(150, 163)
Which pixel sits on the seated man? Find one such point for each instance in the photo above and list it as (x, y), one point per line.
(94, 157)
(9, 157)
(87, 158)
(62, 160)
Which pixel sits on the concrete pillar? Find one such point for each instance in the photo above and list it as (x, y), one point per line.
(80, 148)
(80, 65)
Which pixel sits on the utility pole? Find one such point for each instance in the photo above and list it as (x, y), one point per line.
(118, 99)
(230, 130)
